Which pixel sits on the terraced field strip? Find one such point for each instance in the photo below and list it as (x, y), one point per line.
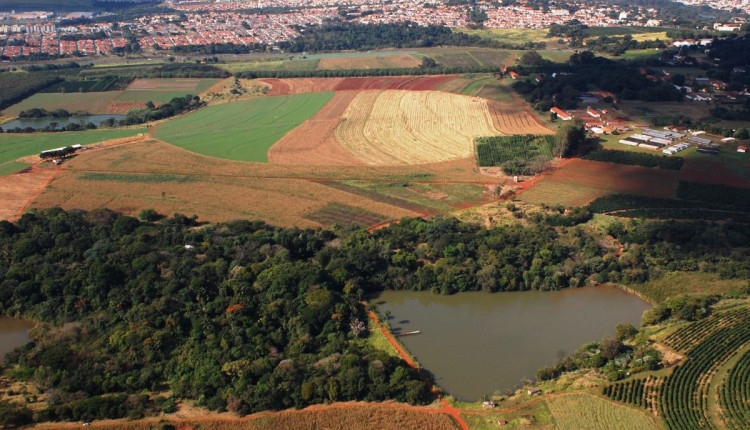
(378, 197)
(587, 412)
(405, 127)
(339, 213)
(243, 130)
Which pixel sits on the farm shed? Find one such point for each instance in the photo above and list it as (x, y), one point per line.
(742, 149)
(561, 114)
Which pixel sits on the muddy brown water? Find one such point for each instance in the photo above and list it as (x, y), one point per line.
(479, 343)
(13, 333)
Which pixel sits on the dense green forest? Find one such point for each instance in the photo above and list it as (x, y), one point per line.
(247, 317)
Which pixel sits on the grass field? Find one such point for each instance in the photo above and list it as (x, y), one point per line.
(369, 62)
(242, 130)
(271, 65)
(516, 36)
(88, 102)
(467, 57)
(11, 167)
(584, 412)
(13, 146)
(693, 283)
(406, 127)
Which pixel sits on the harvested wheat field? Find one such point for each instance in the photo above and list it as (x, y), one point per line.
(370, 62)
(514, 119)
(313, 141)
(17, 190)
(404, 127)
(579, 182)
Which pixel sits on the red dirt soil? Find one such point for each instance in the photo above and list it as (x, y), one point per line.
(414, 83)
(714, 172)
(313, 143)
(18, 190)
(618, 178)
(282, 87)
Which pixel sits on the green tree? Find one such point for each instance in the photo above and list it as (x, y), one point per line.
(531, 58)
(569, 138)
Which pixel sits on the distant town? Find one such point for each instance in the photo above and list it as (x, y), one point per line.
(268, 23)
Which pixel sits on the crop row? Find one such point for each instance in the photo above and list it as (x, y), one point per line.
(734, 395)
(684, 398)
(643, 393)
(494, 151)
(689, 337)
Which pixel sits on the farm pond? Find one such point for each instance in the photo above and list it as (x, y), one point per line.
(13, 333)
(39, 123)
(479, 343)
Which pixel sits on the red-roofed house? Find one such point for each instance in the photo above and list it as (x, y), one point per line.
(742, 149)
(593, 112)
(561, 114)
(513, 74)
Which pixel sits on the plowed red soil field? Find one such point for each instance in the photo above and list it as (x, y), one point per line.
(716, 172)
(123, 107)
(414, 83)
(312, 143)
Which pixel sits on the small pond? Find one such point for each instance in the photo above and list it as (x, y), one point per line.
(479, 343)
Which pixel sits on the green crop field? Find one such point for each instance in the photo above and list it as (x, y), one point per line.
(241, 130)
(495, 150)
(88, 102)
(290, 64)
(12, 167)
(13, 146)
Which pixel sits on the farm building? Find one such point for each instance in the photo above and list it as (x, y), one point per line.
(742, 149)
(700, 141)
(561, 114)
(593, 112)
(513, 74)
(667, 135)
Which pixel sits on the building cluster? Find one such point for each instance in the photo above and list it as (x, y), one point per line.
(720, 4)
(202, 23)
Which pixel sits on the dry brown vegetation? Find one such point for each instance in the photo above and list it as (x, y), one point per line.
(17, 190)
(405, 127)
(153, 174)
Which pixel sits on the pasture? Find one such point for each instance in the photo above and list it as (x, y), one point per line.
(13, 146)
(395, 61)
(584, 412)
(579, 182)
(242, 130)
(87, 102)
(404, 127)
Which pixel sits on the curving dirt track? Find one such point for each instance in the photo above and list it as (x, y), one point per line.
(313, 143)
